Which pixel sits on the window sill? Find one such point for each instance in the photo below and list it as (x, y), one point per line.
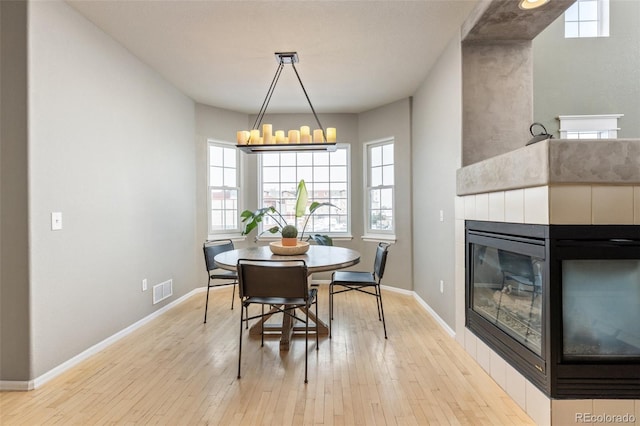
(342, 237)
(379, 237)
(232, 237)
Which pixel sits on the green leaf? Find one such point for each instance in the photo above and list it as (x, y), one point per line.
(321, 240)
(301, 200)
(316, 205)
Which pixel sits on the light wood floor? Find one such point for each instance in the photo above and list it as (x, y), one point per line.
(178, 371)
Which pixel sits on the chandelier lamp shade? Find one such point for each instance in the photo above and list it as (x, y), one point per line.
(303, 139)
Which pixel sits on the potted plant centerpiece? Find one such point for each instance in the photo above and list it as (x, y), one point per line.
(292, 241)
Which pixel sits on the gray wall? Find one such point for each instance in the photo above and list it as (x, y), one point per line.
(15, 351)
(498, 93)
(437, 142)
(393, 120)
(111, 146)
(590, 75)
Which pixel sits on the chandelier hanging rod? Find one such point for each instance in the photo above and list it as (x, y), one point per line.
(284, 58)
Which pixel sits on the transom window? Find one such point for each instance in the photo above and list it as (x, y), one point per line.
(604, 126)
(587, 18)
(224, 188)
(380, 187)
(326, 176)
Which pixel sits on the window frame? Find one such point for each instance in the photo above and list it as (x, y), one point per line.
(346, 235)
(369, 233)
(235, 233)
(604, 125)
(602, 19)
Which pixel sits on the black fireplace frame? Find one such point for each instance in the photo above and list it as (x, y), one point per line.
(556, 377)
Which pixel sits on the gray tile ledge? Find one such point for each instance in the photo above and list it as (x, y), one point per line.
(555, 161)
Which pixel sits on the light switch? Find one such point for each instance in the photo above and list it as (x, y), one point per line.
(56, 221)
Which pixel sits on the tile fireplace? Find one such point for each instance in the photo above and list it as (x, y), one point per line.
(560, 303)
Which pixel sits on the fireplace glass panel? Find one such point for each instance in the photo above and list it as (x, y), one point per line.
(507, 291)
(600, 313)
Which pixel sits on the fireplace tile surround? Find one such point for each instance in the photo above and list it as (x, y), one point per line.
(543, 196)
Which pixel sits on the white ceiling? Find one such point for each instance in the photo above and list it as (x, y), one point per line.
(354, 55)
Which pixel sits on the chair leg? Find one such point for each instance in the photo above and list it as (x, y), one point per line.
(378, 302)
(233, 294)
(317, 334)
(384, 325)
(262, 327)
(206, 304)
(240, 345)
(246, 315)
(330, 307)
(306, 345)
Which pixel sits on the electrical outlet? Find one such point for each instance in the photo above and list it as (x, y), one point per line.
(144, 285)
(441, 286)
(441, 215)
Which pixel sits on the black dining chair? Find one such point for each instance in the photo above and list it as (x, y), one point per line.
(211, 249)
(362, 282)
(283, 286)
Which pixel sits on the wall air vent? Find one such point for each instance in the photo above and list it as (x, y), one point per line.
(162, 291)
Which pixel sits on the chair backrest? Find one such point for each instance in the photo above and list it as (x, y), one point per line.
(212, 248)
(268, 278)
(381, 260)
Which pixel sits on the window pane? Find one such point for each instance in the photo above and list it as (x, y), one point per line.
(571, 30)
(339, 157)
(305, 159)
(215, 156)
(387, 154)
(215, 176)
(229, 177)
(288, 159)
(216, 220)
(217, 198)
(571, 14)
(387, 175)
(338, 174)
(374, 199)
(306, 174)
(229, 157)
(321, 159)
(288, 174)
(270, 159)
(271, 174)
(589, 29)
(376, 176)
(321, 174)
(231, 218)
(386, 198)
(376, 156)
(588, 10)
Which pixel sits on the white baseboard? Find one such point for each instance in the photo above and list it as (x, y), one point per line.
(8, 385)
(435, 316)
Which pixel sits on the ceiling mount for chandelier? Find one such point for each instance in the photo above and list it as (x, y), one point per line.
(295, 140)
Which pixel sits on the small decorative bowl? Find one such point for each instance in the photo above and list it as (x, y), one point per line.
(300, 248)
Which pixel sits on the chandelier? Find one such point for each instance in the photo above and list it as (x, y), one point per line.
(302, 139)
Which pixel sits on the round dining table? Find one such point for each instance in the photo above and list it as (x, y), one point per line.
(317, 259)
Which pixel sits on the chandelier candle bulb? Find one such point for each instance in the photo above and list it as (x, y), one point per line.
(254, 138)
(305, 134)
(294, 136)
(280, 136)
(267, 134)
(331, 134)
(318, 137)
(243, 137)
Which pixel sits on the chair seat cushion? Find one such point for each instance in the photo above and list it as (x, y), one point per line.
(221, 274)
(352, 277)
